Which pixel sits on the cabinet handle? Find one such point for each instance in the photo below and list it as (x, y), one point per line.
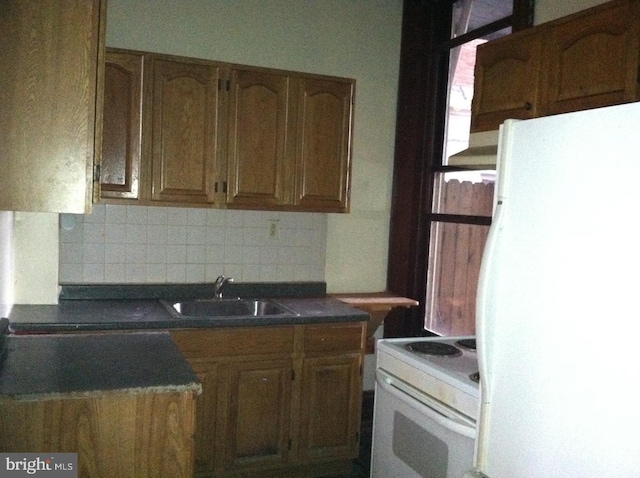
(528, 106)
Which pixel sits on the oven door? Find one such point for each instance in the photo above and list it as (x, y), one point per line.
(416, 436)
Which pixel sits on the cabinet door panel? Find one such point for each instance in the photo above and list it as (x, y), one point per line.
(184, 131)
(330, 415)
(259, 410)
(323, 144)
(506, 81)
(121, 126)
(592, 61)
(205, 428)
(50, 64)
(257, 150)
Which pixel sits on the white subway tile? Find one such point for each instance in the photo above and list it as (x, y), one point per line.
(176, 273)
(196, 254)
(114, 273)
(195, 273)
(116, 214)
(177, 254)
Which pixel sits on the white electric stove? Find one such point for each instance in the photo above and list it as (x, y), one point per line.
(426, 404)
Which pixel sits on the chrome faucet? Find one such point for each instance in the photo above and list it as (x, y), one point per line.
(219, 284)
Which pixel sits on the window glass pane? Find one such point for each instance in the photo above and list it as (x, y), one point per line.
(468, 193)
(469, 15)
(454, 266)
(462, 62)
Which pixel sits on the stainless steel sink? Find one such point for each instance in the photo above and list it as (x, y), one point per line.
(230, 308)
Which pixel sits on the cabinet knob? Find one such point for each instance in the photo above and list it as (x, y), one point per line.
(528, 106)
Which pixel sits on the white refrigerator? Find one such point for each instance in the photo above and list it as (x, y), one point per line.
(558, 310)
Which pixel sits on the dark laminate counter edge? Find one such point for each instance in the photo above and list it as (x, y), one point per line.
(38, 367)
(192, 291)
(114, 315)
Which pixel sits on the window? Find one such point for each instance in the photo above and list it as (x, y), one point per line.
(434, 99)
(461, 205)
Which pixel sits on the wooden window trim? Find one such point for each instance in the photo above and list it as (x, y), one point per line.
(418, 148)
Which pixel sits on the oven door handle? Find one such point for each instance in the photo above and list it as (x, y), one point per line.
(432, 408)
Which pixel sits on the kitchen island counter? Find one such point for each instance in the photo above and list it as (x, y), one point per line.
(76, 365)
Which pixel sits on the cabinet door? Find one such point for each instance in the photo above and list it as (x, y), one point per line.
(591, 60)
(206, 402)
(185, 97)
(50, 64)
(121, 126)
(257, 138)
(506, 80)
(258, 413)
(323, 151)
(330, 410)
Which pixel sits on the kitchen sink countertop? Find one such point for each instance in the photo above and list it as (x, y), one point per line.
(142, 310)
(57, 366)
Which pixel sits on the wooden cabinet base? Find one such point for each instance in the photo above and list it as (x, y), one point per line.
(277, 401)
(123, 435)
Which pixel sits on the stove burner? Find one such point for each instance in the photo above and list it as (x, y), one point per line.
(475, 377)
(469, 344)
(434, 348)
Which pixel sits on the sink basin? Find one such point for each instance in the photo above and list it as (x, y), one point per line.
(220, 308)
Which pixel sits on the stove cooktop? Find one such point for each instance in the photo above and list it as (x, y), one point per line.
(443, 367)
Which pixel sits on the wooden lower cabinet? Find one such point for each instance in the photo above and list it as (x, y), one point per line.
(331, 409)
(126, 435)
(258, 410)
(276, 401)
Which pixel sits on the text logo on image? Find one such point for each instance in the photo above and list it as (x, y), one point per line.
(50, 465)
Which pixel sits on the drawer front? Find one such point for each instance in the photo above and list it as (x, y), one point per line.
(234, 341)
(335, 337)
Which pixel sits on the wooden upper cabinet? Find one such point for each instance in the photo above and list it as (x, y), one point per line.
(586, 60)
(51, 66)
(184, 131)
(506, 80)
(591, 60)
(121, 126)
(323, 144)
(257, 149)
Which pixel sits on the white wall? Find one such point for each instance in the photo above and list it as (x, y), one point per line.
(6, 257)
(36, 258)
(352, 38)
(546, 10)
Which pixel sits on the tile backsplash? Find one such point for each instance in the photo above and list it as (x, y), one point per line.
(139, 244)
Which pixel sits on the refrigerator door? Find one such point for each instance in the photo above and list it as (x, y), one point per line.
(559, 304)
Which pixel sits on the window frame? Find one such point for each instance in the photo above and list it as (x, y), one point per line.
(420, 132)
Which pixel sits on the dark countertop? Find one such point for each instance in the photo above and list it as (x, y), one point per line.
(145, 314)
(40, 361)
(60, 366)
(94, 307)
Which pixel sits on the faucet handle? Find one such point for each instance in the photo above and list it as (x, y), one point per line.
(219, 284)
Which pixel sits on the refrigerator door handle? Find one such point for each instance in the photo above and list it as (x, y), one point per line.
(485, 285)
(444, 416)
(482, 304)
